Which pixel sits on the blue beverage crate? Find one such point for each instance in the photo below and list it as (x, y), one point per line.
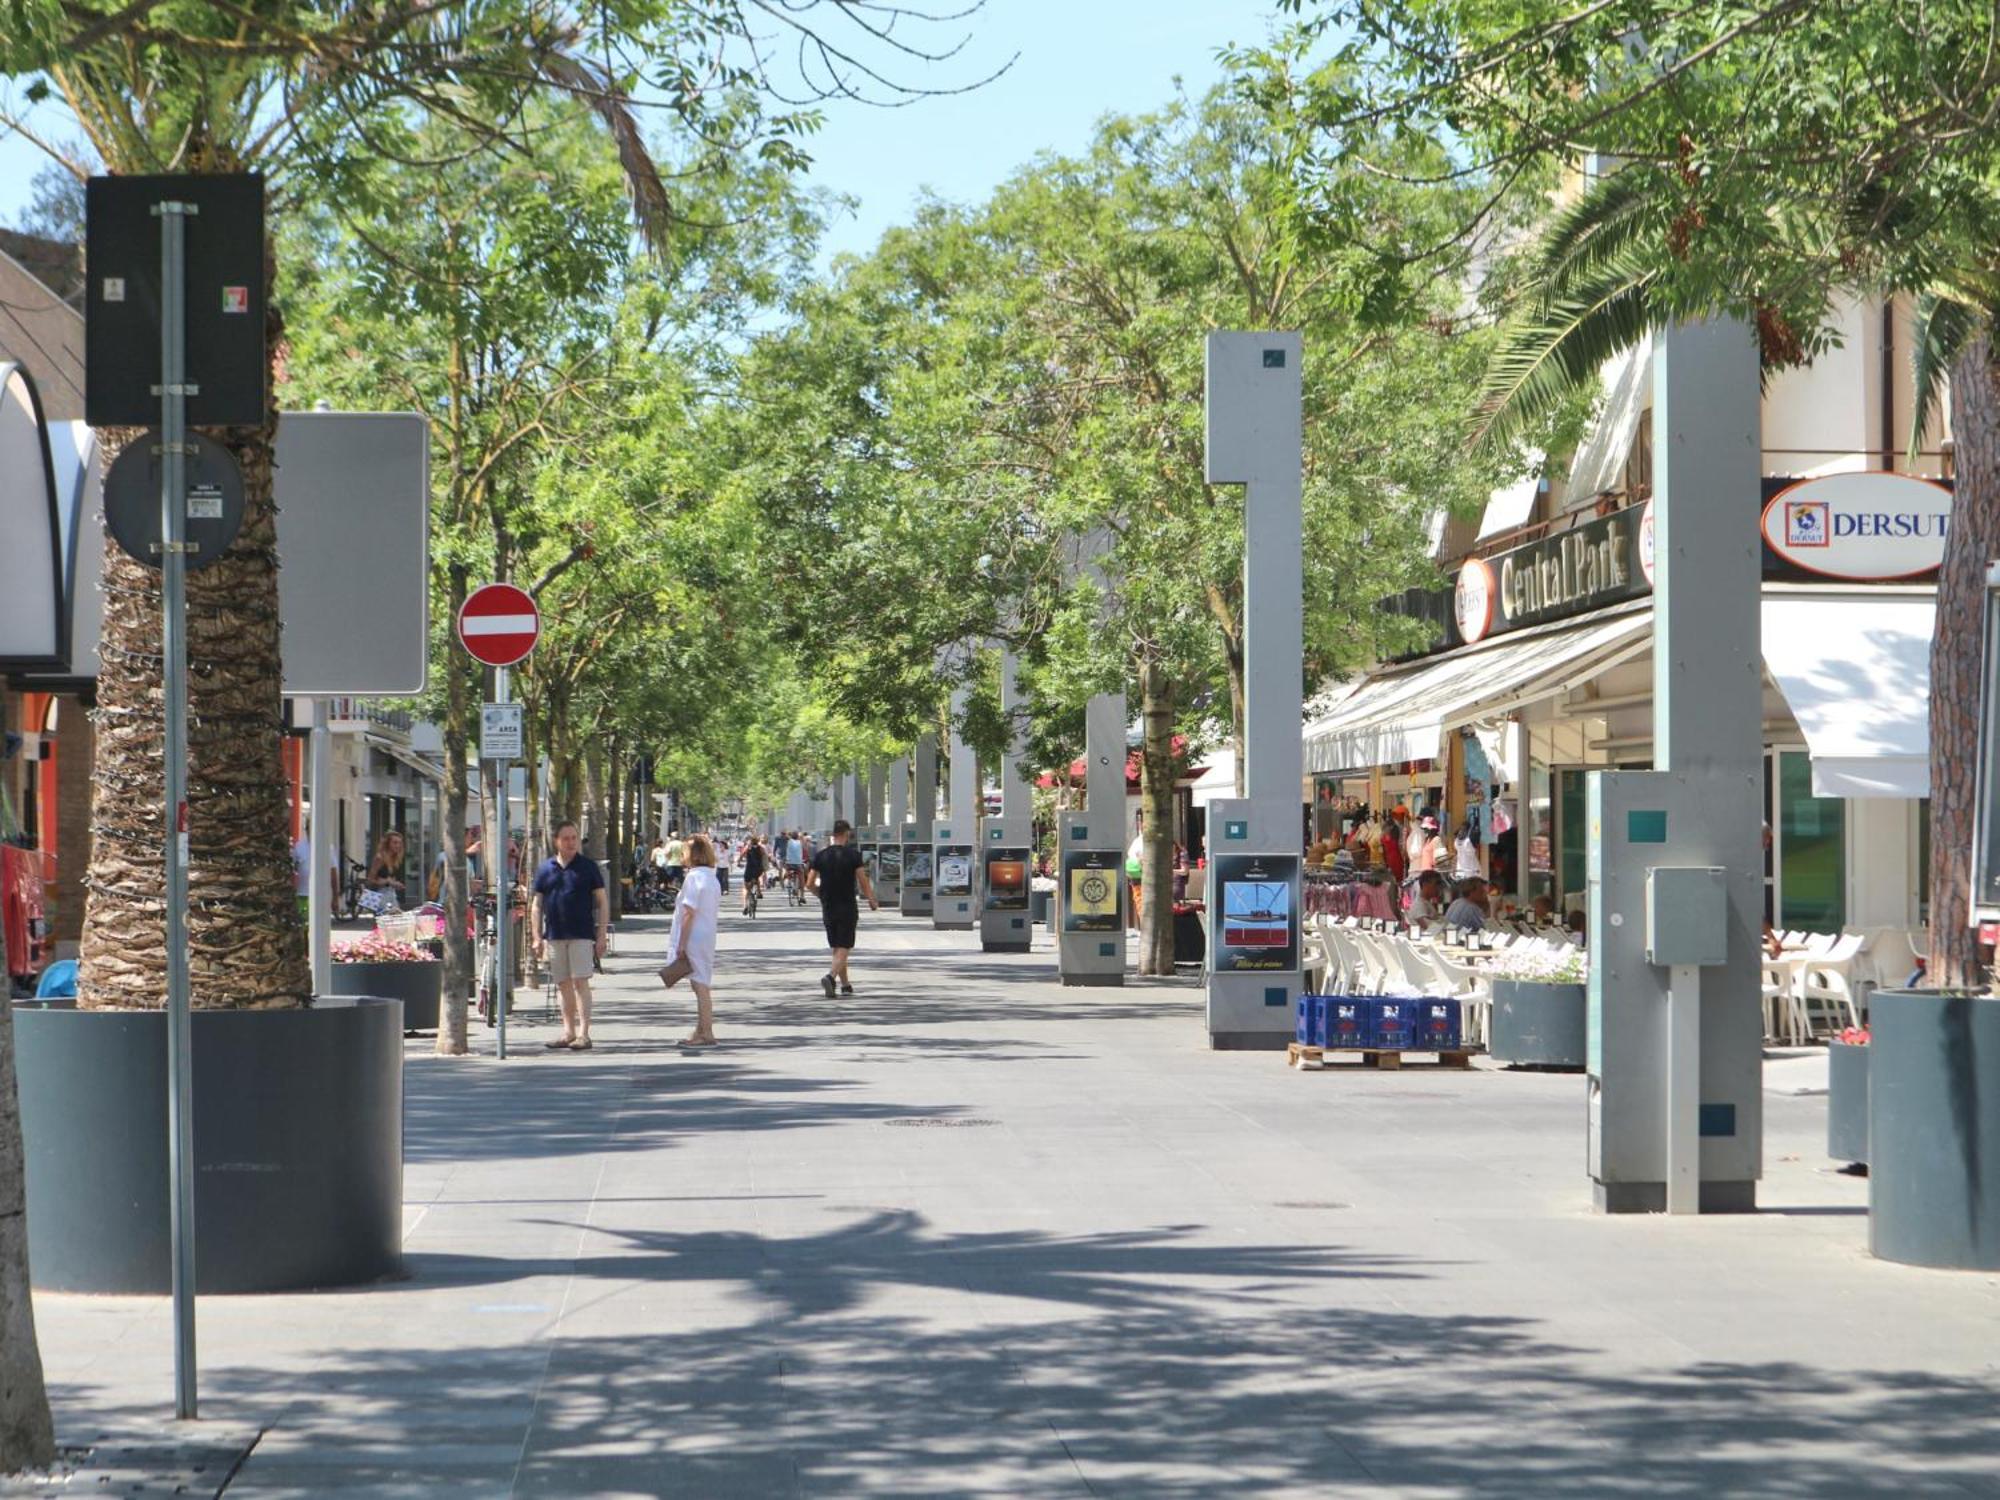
(1309, 1008)
(1392, 1023)
(1440, 1025)
(1344, 1022)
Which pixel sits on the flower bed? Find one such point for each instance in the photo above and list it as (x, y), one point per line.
(371, 964)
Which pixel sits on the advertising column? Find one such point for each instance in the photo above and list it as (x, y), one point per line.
(919, 832)
(1090, 886)
(1006, 849)
(953, 843)
(1254, 438)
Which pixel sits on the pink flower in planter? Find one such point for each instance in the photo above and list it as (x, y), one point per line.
(373, 948)
(1854, 1036)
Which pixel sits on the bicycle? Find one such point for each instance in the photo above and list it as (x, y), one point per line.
(347, 901)
(486, 950)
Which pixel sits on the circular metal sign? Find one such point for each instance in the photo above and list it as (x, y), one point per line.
(499, 624)
(214, 499)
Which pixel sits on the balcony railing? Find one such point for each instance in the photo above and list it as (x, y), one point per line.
(369, 712)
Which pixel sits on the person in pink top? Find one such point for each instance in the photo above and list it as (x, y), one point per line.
(1426, 848)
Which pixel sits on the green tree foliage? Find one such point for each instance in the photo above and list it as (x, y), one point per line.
(991, 428)
(1761, 158)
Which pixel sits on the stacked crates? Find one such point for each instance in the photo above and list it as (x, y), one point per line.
(1377, 1023)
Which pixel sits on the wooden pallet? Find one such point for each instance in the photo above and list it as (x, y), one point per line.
(1302, 1057)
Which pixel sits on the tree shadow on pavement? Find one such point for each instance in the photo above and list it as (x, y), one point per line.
(454, 1113)
(1027, 1365)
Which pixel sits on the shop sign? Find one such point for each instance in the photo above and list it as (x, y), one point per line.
(1598, 563)
(1871, 526)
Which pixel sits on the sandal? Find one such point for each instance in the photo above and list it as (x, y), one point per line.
(581, 1044)
(557, 1044)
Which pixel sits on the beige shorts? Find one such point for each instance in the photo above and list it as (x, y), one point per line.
(571, 958)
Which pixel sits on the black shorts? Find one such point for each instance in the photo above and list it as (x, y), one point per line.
(840, 924)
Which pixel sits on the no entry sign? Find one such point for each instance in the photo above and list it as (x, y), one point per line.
(499, 624)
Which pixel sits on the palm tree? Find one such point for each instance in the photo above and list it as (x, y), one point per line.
(1622, 261)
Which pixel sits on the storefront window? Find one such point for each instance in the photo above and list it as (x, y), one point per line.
(1540, 831)
(1812, 850)
(1573, 864)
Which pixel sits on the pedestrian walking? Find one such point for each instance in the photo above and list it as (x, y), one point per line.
(696, 915)
(571, 921)
(835, 873)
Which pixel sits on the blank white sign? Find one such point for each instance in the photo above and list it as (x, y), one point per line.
(353, 491)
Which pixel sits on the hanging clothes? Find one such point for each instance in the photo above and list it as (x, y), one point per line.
(23, 908)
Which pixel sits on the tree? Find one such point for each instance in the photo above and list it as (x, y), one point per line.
(1758, 158)
(1035, 397)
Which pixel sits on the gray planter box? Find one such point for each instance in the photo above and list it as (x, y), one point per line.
(1934, 1129)
(417, 985)
(1538, 1025)
(298, 1144)
(1847, 1101)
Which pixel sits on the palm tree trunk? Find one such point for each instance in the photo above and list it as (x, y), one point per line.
(1971, 542)
(246, 941)
(1156, 785)
(27, 1435)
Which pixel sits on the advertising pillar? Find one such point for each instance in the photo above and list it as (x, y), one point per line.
(1090, 855)
(954, 836)
(919, 833)
(889, 848)
(1006, 845)
(1255, 438)
(1674, 1092)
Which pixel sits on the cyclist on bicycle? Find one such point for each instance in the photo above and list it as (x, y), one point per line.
(754, 862)
(795, 867)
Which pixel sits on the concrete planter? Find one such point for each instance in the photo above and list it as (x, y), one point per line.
(417, 984)
(298, 1140)
(1847, 1101)
(1934, 1128)
(1538, 1025)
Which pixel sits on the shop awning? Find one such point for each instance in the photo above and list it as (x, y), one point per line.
(1599, 464)
(1218, 777)
(1856, 671)
(423, 765)
(1398, 715)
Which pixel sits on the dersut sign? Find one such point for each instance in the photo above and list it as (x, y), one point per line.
(1872, 526)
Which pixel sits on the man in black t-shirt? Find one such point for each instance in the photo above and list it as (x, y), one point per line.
(835, 873)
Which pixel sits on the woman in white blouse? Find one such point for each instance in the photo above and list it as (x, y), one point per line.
(695, 917)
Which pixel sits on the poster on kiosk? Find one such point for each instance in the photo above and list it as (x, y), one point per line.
(1006, 879)
(1092, 881)
(1257, 930)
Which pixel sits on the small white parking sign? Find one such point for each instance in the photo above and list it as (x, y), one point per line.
(501, 730)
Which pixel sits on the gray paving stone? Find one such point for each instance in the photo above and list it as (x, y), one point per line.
(1159, 1272)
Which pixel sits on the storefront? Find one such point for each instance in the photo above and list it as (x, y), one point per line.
(1543, 673)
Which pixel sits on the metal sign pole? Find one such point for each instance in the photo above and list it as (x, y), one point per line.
(174, 391)
(503, 909)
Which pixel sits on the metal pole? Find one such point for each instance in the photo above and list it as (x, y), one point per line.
(319, 903)
(503, 908)
(173, 643)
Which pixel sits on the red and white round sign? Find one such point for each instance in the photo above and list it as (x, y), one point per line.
(499, 624)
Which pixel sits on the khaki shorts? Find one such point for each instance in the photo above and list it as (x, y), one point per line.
(571, 958)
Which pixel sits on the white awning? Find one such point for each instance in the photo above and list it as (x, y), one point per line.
(1511, 507)
(1856, 671)
(1219, 779)
(425, 767)
(1599, 464)
(1399, 715)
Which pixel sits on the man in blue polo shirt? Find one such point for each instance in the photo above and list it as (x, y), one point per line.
(571, 920)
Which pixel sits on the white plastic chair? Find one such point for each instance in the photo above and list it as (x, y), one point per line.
(1827, 980)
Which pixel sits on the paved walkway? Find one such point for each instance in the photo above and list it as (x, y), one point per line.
(969, 1233)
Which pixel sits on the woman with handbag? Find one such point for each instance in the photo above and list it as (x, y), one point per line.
(691, 946)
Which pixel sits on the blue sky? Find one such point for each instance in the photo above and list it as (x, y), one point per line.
(1079, 60)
